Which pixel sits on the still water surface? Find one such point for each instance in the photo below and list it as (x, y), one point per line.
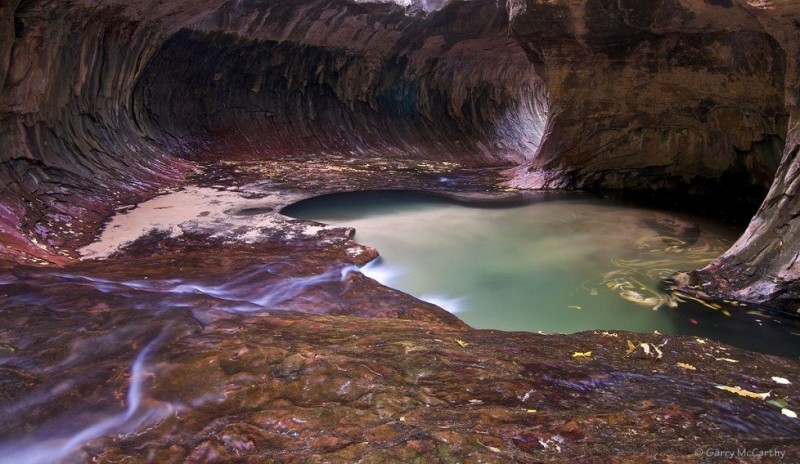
(553, 263)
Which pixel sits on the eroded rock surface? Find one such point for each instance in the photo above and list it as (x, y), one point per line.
(196, 373)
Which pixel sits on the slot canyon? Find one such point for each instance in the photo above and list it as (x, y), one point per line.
(160, 303)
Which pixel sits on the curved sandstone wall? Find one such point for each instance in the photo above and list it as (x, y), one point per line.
(99, 96)
(365, 80)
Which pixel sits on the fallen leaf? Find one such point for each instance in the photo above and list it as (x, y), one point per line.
(476, 401)
(462, 343)
(686, 366)
(725, 359)
(780, 380)
(789, 412)
(658, 351)
(530, 410)
(609, 334)
(700, 341)
(577, 354)
(631, 347)
(778, 402)
(742, 392)
(656, 332)
(646, 347)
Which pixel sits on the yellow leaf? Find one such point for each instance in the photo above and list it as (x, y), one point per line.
(686, 366)
(577, 354)
(530, 410)
(574, 307)
(700, 341)
(631, 347)
(742, 392)
(462, 343)
(726, 360)
(646, 347)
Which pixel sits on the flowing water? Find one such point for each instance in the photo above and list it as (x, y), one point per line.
(553, 263)
(93, 351)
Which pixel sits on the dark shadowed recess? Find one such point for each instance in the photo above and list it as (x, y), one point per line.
(443, 91)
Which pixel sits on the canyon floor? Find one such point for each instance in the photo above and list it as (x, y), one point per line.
(226, 341)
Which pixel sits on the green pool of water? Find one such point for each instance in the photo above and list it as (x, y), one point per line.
(552, 263)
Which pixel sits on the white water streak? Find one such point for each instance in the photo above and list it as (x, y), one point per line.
(139, 412)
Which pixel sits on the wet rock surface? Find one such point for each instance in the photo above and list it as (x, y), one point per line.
(331, 389)
(190, 348)
(287, 387)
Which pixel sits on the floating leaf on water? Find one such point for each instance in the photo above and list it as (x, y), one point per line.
(726, 312)
(742, 392)
(593, 292)
(725, 359)
(789, 413)
(778, 402)
(462, 343)
(781, 380)
(686, 366)
(704, 303)
(577, 354)
(574, 307)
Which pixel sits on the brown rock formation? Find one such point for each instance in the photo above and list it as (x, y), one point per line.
(655, 94)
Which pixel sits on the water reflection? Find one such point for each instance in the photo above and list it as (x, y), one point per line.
(555, 263)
